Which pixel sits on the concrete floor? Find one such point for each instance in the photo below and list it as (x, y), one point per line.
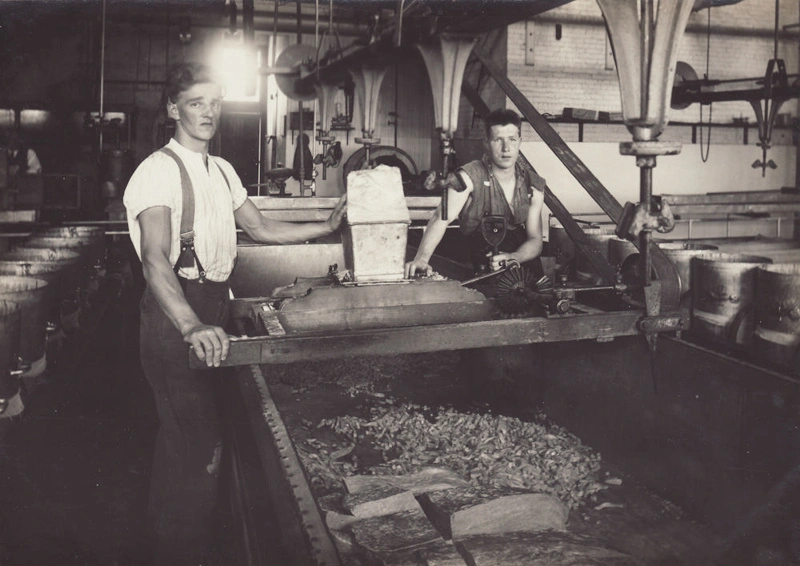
(75, 466)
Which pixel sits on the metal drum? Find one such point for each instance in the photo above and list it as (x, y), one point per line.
(34, 296)
(562, 248)
(83, 246)
(66, 262)
(619, 250)
(598, 239)
(9, 349)
(777, 333)
(94, 234)
(723, 297)
(63, 276)
(681, 254)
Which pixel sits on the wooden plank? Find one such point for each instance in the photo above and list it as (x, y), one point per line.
(384, 500)
(529, 512)
(539, 549)
(391, 533)
(431, 338)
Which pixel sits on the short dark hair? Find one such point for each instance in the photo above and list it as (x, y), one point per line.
(502, 117)
(183, 76)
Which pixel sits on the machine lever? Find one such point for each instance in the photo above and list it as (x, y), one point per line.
(505, 266)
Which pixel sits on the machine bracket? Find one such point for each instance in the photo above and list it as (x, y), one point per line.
(661, 323)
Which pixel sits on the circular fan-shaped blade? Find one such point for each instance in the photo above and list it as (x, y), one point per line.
(513, 290)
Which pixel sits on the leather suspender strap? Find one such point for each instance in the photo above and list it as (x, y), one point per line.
(187, 256)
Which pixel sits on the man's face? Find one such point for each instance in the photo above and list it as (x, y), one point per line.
(197, 111)
(503, 145)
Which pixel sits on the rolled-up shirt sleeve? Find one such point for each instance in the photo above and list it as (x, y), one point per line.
(156, 182)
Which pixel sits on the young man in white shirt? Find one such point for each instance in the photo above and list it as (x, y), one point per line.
(186, 299)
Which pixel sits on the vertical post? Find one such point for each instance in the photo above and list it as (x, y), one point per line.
(646, 165)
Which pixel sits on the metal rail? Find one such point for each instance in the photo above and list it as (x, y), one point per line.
(601, 326)
(318, 548)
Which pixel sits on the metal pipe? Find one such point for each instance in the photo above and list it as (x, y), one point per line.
(102, 76)
(645, 195)
(299, 22)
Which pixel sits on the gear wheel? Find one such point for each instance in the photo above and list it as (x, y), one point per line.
(515, 289)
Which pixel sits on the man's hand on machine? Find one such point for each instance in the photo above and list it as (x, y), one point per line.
(210, 343)
(499, 261)
(413, 268)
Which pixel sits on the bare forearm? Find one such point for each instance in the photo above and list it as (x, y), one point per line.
(434, 232)
(530, 249)
(279, 232)
(166, 289)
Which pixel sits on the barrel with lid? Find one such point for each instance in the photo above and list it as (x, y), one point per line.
(94, 234)
(60, 268)
(82, 245)
(681, 254)
(34, 297)
(598, 242)
(777, 333)
(10, 320)
(723, 296)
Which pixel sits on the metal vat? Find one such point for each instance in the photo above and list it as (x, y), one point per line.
(40, 260)
(777, 333)
(62, 274)
(562, 248)
(619, 250)
(681, 254)
(261, 268)
(94, 234)
(723, 296)
(9, 348)
(34, 296)
(82, 245)
(598, 239)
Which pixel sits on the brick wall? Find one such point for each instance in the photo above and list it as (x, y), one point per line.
(577, 70)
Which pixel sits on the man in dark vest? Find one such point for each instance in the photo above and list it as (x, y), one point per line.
(495, 186)
(183, 206)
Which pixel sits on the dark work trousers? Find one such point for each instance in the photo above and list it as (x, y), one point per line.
(184, 484)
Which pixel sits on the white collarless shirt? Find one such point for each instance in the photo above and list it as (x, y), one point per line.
(157, 182)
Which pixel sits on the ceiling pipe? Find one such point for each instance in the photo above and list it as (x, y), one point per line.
(102, 76)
